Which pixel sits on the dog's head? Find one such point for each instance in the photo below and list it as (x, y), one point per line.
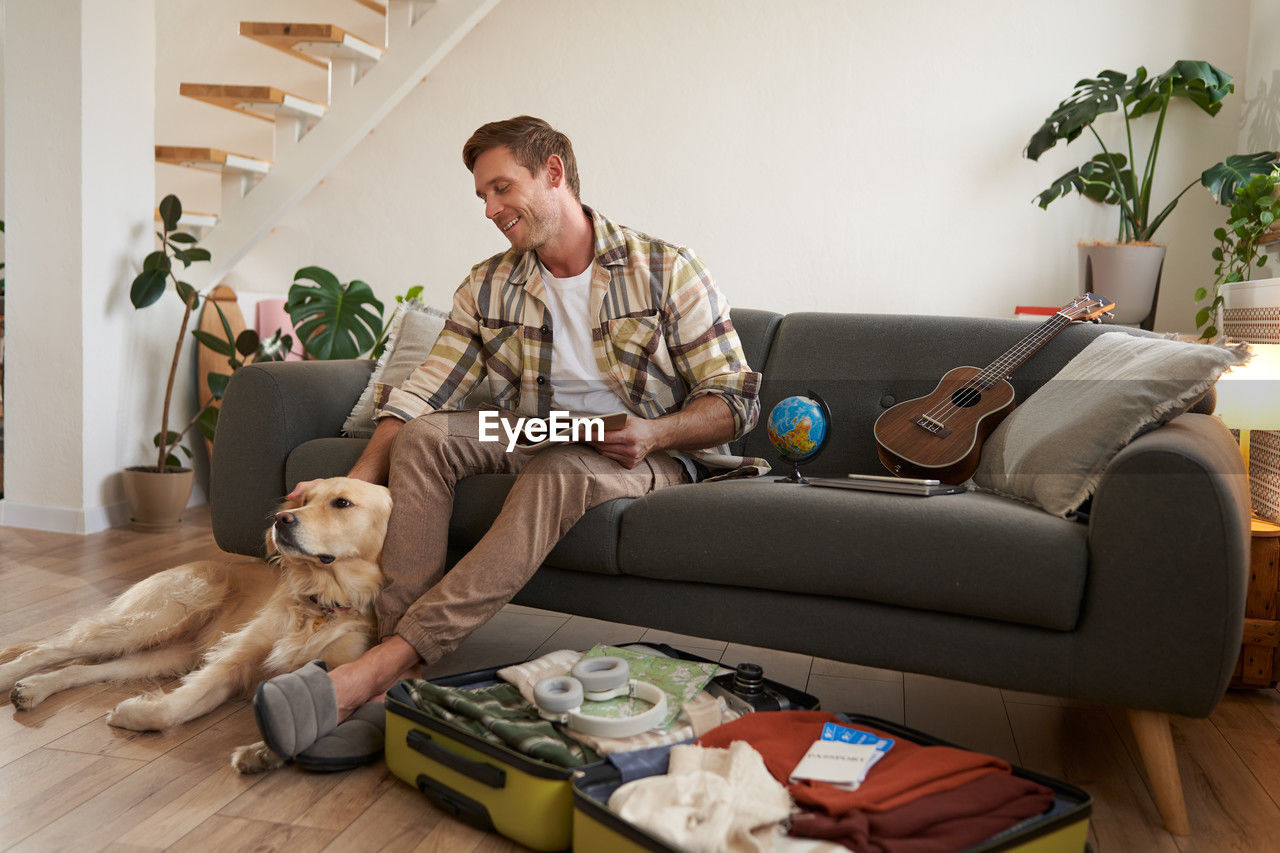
(332, 534)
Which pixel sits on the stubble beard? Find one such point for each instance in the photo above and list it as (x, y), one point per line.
(539, 224)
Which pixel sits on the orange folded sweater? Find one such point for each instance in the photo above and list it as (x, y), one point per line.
(906, 773)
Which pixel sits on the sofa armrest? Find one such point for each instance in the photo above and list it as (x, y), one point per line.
(1168, 568)
(267, 411)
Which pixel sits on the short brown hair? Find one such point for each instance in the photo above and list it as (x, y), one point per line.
(531, 141)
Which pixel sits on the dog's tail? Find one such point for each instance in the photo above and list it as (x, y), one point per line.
(12, 652)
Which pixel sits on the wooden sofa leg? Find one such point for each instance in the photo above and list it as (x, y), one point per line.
(1155, 742)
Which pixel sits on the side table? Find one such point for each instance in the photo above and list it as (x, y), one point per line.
(1259, 663)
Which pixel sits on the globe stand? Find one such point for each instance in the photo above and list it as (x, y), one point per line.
(795, 477)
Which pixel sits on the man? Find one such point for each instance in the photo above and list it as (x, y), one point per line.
(579, 314)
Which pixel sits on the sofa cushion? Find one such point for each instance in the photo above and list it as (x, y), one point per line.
(414, 330)
(971, 554)
(862, 364)
(591, 545)
(322, 457)
(755, 329)
(1051, 451)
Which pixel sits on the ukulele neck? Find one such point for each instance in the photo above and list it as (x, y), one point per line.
(1013, 357)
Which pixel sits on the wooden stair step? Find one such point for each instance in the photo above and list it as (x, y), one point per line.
(211, 159)
(374, 5)
(263, 102)
(314, 43)
(192, 219)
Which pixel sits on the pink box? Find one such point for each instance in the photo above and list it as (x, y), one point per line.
(271, 317)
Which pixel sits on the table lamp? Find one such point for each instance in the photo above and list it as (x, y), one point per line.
(1249, 399)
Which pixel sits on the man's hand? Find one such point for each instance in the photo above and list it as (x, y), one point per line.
(703, 422)
(631, 444)
(299, 490)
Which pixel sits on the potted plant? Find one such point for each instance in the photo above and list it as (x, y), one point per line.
(158, 493)
(1128, 270)
(1253, 212)
(334, 320)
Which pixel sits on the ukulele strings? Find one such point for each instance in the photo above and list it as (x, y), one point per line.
(990, 375)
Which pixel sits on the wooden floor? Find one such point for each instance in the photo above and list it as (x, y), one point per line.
(69, 781)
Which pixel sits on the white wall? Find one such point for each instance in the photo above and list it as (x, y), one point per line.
(1260, 127)
(843, 155)
(79, 387)
(825, 155)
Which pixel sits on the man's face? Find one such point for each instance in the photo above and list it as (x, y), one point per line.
(516, 201)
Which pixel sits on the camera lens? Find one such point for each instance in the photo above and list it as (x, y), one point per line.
(748, 679)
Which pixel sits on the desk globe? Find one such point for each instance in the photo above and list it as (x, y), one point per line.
(799, 427)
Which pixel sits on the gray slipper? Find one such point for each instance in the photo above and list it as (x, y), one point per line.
(296, 709)
(356, 741)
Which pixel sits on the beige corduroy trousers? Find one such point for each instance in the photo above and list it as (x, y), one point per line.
(434, 609)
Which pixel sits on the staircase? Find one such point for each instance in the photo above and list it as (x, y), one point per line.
(366, 82)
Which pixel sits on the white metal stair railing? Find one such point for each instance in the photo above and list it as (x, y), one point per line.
(420, 33)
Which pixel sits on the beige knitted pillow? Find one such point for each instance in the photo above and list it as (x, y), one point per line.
(414, 330)
(1051, 451)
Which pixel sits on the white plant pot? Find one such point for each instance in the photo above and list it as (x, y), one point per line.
(1127, 274)
(1251, 310)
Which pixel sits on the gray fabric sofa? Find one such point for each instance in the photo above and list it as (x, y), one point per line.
(1139, 605)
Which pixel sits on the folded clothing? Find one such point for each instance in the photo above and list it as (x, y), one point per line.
(499, 714)
(936, 823)
(906, 773)
(710, 800)
(698, 714)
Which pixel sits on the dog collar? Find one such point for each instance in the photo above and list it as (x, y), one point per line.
(328, 609)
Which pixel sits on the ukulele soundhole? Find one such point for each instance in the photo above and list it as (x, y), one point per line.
(966, 397)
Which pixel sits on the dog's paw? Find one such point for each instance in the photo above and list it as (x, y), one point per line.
(9, 679)
(255, 758)
(139, 714)
(25, 695)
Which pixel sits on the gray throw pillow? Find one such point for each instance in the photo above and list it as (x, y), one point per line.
(1051, 451)
(414, 330)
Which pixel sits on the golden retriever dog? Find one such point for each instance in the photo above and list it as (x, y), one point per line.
(226, 626)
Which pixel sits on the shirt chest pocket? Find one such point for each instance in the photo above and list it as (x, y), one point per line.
(502, 350)
(641, 360)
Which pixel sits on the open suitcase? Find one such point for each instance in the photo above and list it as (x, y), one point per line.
(598, 829)
(494, 787)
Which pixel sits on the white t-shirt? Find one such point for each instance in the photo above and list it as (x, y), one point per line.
(577, 385)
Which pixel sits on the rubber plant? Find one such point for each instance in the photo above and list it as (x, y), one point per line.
(158, 271)
(1115, 177)
(1253, 209)
(332, 319)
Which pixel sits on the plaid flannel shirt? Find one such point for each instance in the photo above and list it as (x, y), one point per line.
(663, 337)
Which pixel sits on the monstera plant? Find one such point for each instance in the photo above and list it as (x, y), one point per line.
(1121, 179)
(1112, 177)
(332, 319)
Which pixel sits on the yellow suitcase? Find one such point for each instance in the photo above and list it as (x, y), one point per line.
(493, 787)
(1062, 829)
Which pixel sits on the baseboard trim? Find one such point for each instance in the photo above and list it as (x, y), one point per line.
(55, 519)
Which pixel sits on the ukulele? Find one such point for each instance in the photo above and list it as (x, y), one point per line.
(939, 436)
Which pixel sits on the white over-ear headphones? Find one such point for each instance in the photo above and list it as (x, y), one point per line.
(560, 698)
